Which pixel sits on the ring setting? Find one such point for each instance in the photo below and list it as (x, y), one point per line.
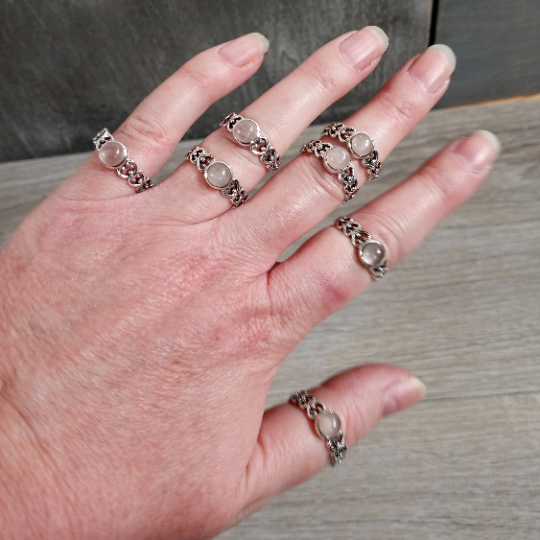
(371, 253)
(218, 175)
(327, 424)
(246, 132)
(360, 143)
(114, 155)
(335, 160)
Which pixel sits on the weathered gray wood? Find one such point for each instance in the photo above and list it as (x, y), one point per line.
(462, 312)
(70, 68)
(497, 44)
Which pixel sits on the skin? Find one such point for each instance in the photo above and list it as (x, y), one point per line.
(140, 333)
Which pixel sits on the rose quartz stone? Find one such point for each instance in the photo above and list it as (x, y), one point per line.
(245, 131)
(361, 144)
(113, 154)
(218, 175)
(338, 158)
(373, 253)
(328, 424)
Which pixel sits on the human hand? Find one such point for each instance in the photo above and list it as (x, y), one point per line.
(140, 333)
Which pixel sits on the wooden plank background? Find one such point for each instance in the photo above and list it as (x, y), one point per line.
(70, 68)
(462, 312)
(497, 44)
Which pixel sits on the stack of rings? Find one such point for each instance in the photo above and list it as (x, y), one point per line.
(361, 145)
(327, 423)
(218, 175)
(372, 254)
(335, 160)
(246, 132)
(114, 155)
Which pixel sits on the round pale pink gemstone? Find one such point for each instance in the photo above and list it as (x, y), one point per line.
(338, 158)
(245, 131)
(373, 253)
(328, 424)
(113, 154)
(361, 144)
(218, 174)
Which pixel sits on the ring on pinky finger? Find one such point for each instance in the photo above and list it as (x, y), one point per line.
(371, 253)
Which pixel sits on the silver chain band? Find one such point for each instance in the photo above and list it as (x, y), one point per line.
(203, 160)
(329, 428)
(259, 145)
(345, 176)
(346, 134)
(125, 168)
(372, 254)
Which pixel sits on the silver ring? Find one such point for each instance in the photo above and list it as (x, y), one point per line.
(327, 424)
(360, 144)
(345, 175)
(218, 175)
(114, 155)
(246, 132)
(372, 254)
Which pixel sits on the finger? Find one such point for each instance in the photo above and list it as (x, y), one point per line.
(282, 114)
(289, 450)
(153, 130)
(325, 273)
(304, 192)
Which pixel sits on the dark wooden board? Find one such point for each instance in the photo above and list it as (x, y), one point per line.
(497, 43)
(69, 68)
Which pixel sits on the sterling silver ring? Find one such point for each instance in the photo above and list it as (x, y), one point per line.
(361, 145)
(114, 155)
(327, 424)
(372, 254)
(336, 160)
(218, 175)
(246, 132)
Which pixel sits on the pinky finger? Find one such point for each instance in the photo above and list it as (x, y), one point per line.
(289, 451)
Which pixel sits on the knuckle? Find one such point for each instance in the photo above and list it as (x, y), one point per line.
(202, 82)
(442, 183)
(326, 80)
(143, 129)
(399, 110)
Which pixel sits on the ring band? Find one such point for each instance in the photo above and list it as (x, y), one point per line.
(336, 160)
(218, 175)
(246, 132)
(327, 424)
(114, 155)
(361, 145)
(372, 254)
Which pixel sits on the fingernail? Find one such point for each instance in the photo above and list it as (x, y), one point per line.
(403, 394)
(478, 150)
(362, 48)
(433, 68)
(243, 50)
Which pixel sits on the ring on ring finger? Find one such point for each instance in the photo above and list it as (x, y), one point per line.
(361, 145)
(336, 160)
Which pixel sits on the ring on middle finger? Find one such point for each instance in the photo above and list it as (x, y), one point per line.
(246, 132)
(361, 145)
(336, 160)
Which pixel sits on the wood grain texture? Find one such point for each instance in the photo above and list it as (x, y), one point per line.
(497, 44)
(462, 312)
(70, 68)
